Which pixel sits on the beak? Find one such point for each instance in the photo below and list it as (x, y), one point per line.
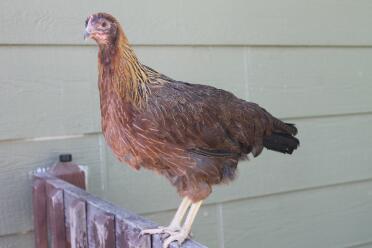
(86, 34)
(87, 31)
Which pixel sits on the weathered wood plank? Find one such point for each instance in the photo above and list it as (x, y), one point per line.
(315, 22)
(127, 237)
(333, 150)
(18, 159)
(56, 215)
(327, 217)
(105, 214)
(101, 228)
(39, 202)
(130, 221)
(76, 221)
(18, 241)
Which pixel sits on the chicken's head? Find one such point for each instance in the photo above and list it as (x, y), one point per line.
(101, 27)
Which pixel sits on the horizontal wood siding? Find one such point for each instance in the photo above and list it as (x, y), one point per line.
(308, 62)
(304, 81)
(336, 216)
(269, 22)
(17, 241)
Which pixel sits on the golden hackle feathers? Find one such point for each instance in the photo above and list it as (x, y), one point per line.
(127, 74)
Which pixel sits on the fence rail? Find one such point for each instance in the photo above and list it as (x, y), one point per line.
(67, 216)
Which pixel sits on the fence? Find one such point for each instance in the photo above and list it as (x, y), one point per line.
(65, 215)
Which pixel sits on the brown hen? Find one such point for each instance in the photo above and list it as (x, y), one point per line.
(192, 134)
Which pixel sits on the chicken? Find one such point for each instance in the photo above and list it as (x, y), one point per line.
(192, 134)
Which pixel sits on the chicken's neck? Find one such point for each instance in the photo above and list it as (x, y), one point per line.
(122, 73)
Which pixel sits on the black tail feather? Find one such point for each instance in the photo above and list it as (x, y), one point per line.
(281, 142)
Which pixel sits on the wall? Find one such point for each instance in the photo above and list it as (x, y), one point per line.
(308, 62)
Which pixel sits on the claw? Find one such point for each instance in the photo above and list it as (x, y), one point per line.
(180, 237)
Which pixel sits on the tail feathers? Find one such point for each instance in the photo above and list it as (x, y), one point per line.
(281, 142)
(285, 127)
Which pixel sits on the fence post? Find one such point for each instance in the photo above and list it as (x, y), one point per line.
(39, 211)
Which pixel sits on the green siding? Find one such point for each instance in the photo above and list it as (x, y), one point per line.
(17, 241)
(305, 81)
(328, 217)
(306, 61)
(311, 81)
(253, 22)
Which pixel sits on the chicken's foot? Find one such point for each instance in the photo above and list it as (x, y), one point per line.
(182, 235)
(175, 225)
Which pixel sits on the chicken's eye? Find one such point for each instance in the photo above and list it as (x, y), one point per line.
(104, 24)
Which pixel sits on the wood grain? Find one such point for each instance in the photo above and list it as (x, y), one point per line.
(39, 207)
(129, 237)
(101, 228)
(76, 221)
(103, 218)
(56, 215)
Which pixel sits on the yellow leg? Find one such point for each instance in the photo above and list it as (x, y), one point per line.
(181, 211)
(182, 235)
(175, 224)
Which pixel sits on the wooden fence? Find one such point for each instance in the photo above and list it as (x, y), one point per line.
(65, 215)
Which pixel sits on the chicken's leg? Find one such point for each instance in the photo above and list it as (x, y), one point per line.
(185, 230)
(181, 211)
(175, 224)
